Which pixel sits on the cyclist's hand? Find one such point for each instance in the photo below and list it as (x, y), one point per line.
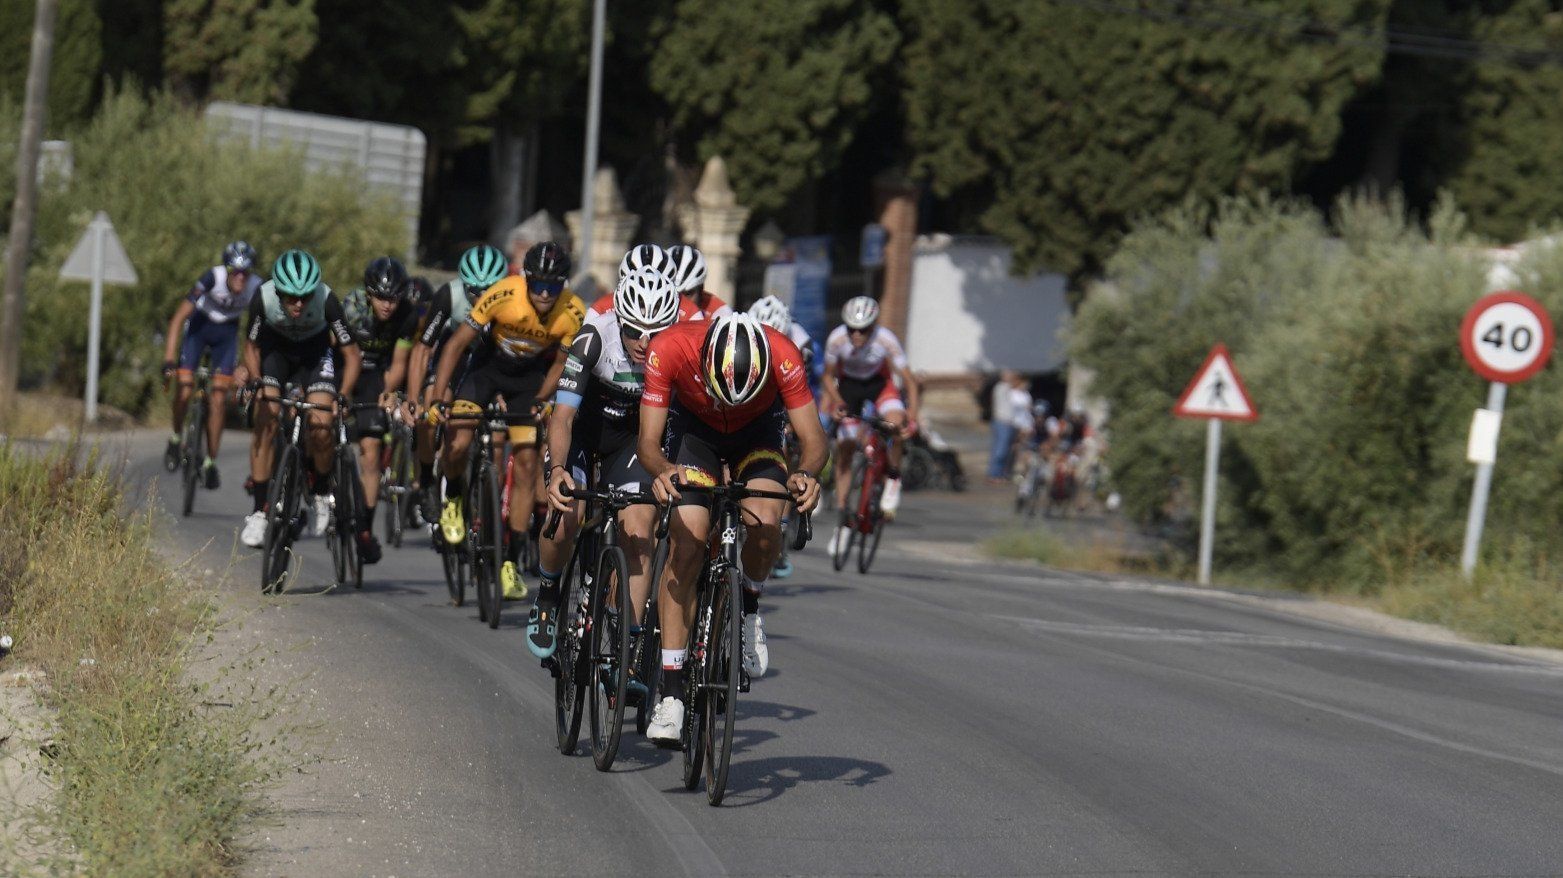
(410, 411)
(343, 405)
(559, 481)
(169, 367)
(241, 375)
(806, 488)
(437, 413)
(665, 486)
(388, 400)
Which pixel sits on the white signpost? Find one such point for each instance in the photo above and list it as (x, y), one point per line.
(100, 258)
(1506, 338)
(1216, 394)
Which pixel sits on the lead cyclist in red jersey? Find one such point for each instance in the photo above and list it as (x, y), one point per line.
(719, 393)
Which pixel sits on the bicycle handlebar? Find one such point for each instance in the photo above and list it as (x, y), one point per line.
(615, 498)
(744, 492)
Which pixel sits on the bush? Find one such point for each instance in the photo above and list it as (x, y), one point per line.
(1346, 334)
(176, 198)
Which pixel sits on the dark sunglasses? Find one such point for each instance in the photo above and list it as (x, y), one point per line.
(545, 287)
(867, 330)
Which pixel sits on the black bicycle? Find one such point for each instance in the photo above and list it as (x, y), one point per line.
(599, 647)
(483, 506)
(713, 666)
(285, 500)
(192, 438)
(396, 478)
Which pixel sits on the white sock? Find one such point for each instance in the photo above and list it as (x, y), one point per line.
(673, 659)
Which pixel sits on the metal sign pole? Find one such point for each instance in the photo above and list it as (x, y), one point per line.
(95, 320)
(1207, 515)
(1479, 491)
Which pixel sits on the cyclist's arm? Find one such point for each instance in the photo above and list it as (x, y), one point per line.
(455, 347)
(653, 421)
(252, 354)
(832, 393)
(397, 374)
(551, 380)
(913, 398)
(176, 328)
(812, 444)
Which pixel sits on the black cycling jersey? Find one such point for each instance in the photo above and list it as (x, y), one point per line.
(378, 338)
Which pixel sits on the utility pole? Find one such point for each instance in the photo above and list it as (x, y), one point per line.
(34, 111)
(593, 118)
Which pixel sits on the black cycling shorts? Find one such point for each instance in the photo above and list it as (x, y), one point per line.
(367, 424)
(314, 371)
(517, 383)
(614, 449)
(753, 451)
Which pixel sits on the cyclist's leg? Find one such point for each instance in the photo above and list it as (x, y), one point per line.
(893, 410)
(275, 369)
(622, 470)
(225, 355)
(321, 387)
(368, 429)
(184, 379)
(688, 528)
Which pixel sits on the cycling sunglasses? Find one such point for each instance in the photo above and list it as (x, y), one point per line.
(635, 333)
(544, 287)
(867, 330)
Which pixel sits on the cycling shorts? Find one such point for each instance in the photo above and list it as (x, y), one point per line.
(753, 451)
(366, 424)
(203, 335)
(314, 371)
(515, 382)
(858, 394)
(615, 451)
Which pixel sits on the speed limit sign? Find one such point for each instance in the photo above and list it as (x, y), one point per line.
(1506, 336)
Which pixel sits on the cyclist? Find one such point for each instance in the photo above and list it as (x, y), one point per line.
(383, 323)
(421, 294)
(297, 335)
(773, 312)
(718, 393)
(596, 415)
(478, 269)
(862, 361)
(209, 317)
(530, 322)
(688, 269)
(637, 257)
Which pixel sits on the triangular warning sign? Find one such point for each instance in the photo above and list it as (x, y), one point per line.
(1216, 391)
(116, 264)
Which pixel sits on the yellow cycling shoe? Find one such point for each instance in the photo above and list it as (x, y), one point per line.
(453, 527)
(510, 577)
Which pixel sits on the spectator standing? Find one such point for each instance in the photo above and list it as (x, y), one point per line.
(1011, 416)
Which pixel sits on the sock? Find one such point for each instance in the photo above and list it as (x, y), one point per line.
(513, 547)
(548, 588)
(454, 489)
(366, 518)
(259, 492)
(321, 484)
(673, 672)
(425, 474)
(751, 595)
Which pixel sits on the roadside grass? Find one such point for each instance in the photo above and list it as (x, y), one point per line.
(1513, 599)
(156, 764)
(42, 414)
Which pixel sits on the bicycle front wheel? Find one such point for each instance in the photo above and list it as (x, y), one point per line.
(847, 533)
(570, 682)
(724, 650)
(868, 544)
(397, 494)
(348, 502)
(281, 508)
(488, 544)
(455, 563)
(609, 652)
(190, 455)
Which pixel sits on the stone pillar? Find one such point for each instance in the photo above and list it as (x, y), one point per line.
(895, 199)
(612, 228)
(713, 224)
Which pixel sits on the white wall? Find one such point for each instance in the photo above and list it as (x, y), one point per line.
(968, 314)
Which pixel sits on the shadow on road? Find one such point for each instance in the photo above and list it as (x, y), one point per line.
(758, 781)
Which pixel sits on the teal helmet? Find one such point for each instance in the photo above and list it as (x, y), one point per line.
(295, 273)
(481, 267)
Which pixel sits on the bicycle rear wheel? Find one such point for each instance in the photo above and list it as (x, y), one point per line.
(281, 507)
(694, 675)
(847, 533)
(723, 650)
(349, 501)
(868, 544)
(190, 451)
(609, 654)
(488, 528)
(570, 684)
(455, 563)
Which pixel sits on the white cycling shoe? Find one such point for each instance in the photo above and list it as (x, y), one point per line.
(890, 500)
(322, 514)
(254, 533)
(837, 537)
(667, 721)
(757, 659)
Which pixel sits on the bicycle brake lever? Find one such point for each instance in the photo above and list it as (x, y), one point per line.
(805, 532)
(552, 526)
(664, 521)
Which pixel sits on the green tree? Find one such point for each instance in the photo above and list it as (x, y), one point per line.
(778, 88)
(1061, 121)
(250, 51)
(77, 63)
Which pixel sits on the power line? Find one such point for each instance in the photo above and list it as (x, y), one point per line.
(1417, 42)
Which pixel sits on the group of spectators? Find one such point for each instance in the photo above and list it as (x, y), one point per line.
(1024, 426)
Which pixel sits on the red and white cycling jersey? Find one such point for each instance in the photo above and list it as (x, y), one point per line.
(882, 354)
(673, 372)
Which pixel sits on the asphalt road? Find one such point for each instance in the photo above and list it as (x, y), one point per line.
(934, 717)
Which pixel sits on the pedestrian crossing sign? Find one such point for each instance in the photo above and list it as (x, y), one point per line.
(1216, 391)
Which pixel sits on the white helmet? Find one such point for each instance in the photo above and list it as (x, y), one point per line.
(646, 300)
(643, 256)
(860, 312)
(687, 268)
(773, 313)
(735, 359)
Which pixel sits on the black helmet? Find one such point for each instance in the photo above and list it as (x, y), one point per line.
(239, 256)
(547, 262)
(385, 278)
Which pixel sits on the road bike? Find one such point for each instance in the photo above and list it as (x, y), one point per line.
(483, 507)
(285, 499)
(862, 519)
(396, 477)
(192, 439)
(599, 648)
(714, 662)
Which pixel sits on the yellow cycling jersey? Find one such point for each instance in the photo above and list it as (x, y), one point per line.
(505, 312)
